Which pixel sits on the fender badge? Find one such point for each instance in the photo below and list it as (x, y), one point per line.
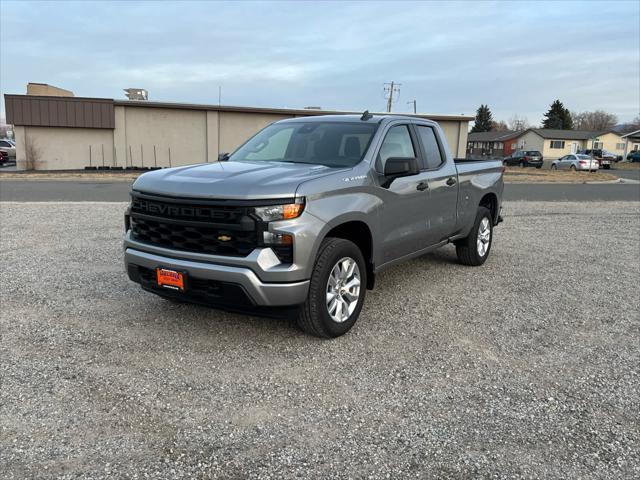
(224, 238)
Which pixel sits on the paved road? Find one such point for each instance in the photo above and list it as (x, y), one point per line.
(630, 174)
(47, 191)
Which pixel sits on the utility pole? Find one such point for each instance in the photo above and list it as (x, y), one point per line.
(391, 88)
(414, 105)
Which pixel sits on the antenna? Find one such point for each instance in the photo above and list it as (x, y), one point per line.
(366, 116)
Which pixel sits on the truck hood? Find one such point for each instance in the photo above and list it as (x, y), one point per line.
(233, 180)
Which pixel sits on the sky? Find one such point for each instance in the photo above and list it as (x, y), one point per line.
(517, 57)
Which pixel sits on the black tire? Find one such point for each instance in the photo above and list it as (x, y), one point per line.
(314, 317)
(573, 168)
(466, 249)
(539, 167)
(554, 167)
(607, 167)
(521, 164)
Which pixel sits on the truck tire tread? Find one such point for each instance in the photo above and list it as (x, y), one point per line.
(310, 315)
(466, 249)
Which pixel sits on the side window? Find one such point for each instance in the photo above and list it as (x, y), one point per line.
(397, 143)
(4, 144)
(430, 145)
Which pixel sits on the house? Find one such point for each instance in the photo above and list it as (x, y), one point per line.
(558, 143)
(632, 142)
(491, 144)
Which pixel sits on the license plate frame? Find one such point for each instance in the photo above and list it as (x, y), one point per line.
(171, 279)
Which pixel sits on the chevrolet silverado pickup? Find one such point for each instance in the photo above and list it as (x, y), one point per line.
(306, 213)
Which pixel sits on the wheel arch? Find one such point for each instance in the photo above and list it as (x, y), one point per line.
(490, 201)
(358, 232)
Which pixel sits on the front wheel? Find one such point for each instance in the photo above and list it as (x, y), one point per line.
(521, 164)
(336, 291)
(474, 249)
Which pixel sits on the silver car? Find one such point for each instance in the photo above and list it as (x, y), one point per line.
(575, 162)
(8, 147)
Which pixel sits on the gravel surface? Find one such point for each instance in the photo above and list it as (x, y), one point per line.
(526, 367)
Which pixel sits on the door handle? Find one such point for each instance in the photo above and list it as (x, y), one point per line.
(422, 186)
(451, 181)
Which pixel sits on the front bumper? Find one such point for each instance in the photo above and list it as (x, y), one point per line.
(214, 280)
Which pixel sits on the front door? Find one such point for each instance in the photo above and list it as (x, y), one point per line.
(574, 147)
(403, 202)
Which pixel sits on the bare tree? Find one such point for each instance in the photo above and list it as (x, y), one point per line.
(518, 123)
(595, 121)
(498, 126)
(631, 126)
(31, 154)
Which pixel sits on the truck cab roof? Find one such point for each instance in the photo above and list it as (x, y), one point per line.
(374, 118)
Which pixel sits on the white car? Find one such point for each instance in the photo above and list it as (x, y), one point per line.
(575, 162)
(8, 147)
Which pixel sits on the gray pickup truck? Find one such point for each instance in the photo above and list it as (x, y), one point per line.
(306, 213)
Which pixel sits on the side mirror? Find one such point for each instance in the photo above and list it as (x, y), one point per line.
(223, 157)
(400, 167)
(396, 167)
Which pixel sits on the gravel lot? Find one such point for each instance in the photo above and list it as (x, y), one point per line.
(526, 367)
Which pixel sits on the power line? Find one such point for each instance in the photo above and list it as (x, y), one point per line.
(414, 105)
(391, 88)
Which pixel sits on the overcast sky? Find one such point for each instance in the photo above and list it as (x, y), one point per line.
(515, 56)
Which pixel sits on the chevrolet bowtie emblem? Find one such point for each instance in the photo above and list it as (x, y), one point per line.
(224, 238)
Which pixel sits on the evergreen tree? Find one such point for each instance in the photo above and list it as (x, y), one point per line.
(484, 120)
(558, 117)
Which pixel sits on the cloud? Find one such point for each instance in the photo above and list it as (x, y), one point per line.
(516, 56)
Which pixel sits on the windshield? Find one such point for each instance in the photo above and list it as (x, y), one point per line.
(333, 144)
(533, 153)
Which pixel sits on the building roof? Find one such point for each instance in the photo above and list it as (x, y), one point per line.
(567, 134)
(632, 134)
(492, 136)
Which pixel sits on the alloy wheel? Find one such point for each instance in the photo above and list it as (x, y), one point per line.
(484, 237)
(343, 289)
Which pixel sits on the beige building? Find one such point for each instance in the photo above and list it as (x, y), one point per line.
(558, 143)
(44, 89)
(54, 133)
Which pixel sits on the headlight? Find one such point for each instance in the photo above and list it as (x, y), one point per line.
(279, 212)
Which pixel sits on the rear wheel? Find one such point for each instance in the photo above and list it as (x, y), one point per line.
(336, 291)
(573, 168)
(521, 164)
(474, 249)
(554, 167)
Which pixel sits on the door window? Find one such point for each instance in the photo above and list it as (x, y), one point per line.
(397, 143)
(431, 148)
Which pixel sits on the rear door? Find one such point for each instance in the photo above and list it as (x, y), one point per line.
(441, 209)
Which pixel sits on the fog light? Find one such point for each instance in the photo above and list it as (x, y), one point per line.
(271, 238)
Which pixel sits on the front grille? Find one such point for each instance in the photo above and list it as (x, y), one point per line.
(194, 226)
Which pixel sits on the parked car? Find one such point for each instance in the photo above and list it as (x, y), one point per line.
(306, 213)
(576, 161)
(634, 156)
(525, 158)
(604, 158)
(4, 157)
(8, 147)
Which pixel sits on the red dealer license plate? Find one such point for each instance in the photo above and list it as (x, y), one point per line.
(170, 279)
